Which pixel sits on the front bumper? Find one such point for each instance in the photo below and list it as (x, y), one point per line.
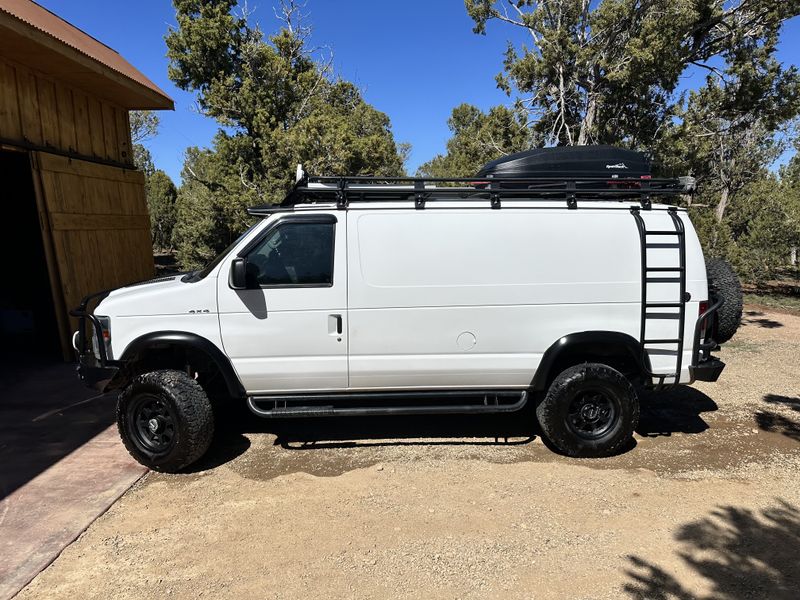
(95, 375)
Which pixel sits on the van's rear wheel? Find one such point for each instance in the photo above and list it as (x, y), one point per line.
(590, 410)
(165, 420)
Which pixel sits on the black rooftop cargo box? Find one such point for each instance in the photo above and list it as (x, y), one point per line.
(569, 162)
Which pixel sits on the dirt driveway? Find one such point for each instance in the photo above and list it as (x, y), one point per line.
(707, 504)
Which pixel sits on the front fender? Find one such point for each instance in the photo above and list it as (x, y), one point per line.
(180, 339)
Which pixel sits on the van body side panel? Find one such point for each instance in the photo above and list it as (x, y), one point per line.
(462, 347)
(473, 298)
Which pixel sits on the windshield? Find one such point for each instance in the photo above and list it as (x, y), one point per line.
(203, 273)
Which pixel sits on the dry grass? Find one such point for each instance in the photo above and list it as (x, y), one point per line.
(772, 300)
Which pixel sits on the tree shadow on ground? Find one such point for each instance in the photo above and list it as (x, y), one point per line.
(777, 423)
(674, 411)
(739, 552)
(793, 403)
(754, 317)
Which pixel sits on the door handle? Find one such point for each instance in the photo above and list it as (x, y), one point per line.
(335, 324)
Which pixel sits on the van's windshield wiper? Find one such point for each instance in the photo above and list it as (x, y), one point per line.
(191, 277)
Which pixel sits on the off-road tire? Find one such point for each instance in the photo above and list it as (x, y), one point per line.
(724, 284)
(188, 410)
(574, 385)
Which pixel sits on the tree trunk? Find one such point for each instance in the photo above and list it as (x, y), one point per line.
(562, 93)
(588, 121)
(726, 177)
(719, 212)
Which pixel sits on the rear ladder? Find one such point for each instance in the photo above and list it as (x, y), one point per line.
(675, 276)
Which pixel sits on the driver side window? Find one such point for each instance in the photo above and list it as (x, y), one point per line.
(294, 254)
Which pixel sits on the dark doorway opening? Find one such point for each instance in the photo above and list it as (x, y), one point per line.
(28, 326)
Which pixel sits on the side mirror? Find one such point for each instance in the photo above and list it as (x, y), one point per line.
(238, 275)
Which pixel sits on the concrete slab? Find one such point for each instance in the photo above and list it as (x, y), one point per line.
(61, 466)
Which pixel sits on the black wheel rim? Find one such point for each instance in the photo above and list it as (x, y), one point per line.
(592, 413)
(152, 423)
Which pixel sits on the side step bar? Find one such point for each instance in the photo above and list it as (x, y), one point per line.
(288, 406)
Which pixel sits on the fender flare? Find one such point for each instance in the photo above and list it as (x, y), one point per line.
(188, 340)
(600, 343)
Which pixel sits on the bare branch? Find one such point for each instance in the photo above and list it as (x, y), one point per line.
(324, 70)
(711, 68)
(291, 14)
(503, 16)
(210, 185)
(522, 24)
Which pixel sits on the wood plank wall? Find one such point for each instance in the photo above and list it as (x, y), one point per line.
(99, 225)
(94, 216)
(40, 110)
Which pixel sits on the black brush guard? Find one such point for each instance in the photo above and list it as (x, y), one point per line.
(96, 371)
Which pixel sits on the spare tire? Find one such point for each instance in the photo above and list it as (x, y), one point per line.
(723, 284)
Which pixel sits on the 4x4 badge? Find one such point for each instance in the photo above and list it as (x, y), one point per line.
(617, 166)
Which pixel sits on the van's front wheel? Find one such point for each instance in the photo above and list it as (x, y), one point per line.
(590, 410)
(165, 420)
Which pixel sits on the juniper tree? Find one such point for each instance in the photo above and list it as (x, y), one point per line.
(478, 138)
(277, 103)
(608, 72)
(161, 195)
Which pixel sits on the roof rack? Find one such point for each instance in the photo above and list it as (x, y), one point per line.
(344, 191)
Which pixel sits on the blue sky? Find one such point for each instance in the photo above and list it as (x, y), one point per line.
(414, 60)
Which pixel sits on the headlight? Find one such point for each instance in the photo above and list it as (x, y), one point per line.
(105, 325)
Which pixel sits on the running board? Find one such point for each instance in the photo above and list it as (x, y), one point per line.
(288, 406)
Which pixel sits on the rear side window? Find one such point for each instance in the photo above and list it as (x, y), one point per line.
(294, 254)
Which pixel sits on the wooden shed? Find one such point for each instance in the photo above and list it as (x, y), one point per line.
(74, 213)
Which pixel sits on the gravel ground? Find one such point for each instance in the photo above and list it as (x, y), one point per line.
(705, 504)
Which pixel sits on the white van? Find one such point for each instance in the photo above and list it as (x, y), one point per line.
(362, 296)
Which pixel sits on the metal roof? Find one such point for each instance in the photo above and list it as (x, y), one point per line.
(36, 37)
